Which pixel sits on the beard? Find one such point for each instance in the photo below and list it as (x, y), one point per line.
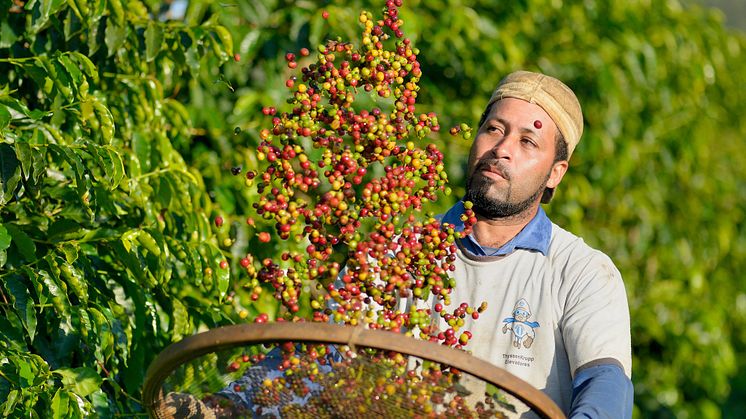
(478, 193)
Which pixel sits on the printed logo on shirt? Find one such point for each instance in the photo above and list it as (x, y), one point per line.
(516, 359)
(520, 327)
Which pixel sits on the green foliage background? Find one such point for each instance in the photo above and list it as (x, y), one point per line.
(119, 131)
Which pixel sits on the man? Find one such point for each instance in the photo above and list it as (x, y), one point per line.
(558, 315)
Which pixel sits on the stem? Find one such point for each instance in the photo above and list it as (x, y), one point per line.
(130, 76)
(165, 170)
(10, 92)
(20, 271)
(6, 378)
(103, 367)
(153, 173)
(16, 61)
(70, 105)
(127, 395)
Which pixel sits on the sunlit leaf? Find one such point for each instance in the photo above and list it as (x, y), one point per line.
(7, 35)
(58, 295)
(88, 67)
(10, 172)
(142, 149)
(5, 118)
(181, 321)
(74, 279)
(25, 373)
(22, 242)
(193, 56)
(225, 39)
(65, 228)
(23, 303)
(61, 405)
(5, 238)
(82, 381)
(153, 40)
(10, 402)
(72, 69)
(115, 37)
(24, 155)
(18, 106)
(117, 10)
(106, 121)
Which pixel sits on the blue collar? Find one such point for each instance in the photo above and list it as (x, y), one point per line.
(534, 236)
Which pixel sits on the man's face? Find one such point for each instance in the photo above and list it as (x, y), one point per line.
(512, 159)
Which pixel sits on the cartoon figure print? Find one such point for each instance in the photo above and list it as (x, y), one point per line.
(522, 329)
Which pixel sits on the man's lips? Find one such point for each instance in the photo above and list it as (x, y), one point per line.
(492, 169)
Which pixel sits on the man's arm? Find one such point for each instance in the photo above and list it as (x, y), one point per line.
(601, 391)
(596, 331)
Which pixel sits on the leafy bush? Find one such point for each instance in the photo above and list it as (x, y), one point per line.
(119, 133)
(106, 250)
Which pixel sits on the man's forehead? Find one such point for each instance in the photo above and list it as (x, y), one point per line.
(523, 114)
(555, 97)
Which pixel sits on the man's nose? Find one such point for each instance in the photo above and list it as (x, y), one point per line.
(504, 148)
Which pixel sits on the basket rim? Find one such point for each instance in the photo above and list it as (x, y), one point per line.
(227, 337)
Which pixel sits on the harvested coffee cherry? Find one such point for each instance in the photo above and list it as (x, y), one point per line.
(347, 168)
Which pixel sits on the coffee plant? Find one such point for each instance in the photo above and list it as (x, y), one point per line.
(120, 126)
(348, 181)
(106, 251)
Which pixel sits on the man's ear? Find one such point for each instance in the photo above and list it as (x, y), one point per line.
(557, 173)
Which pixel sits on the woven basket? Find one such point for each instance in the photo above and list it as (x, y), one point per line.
(228, 337)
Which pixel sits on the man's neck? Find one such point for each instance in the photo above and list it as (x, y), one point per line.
(496, 232)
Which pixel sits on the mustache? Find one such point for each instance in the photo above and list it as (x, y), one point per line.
(493, 165)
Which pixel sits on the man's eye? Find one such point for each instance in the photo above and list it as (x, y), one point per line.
(528, 142)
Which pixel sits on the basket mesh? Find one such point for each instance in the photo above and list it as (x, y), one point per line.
(299, 380)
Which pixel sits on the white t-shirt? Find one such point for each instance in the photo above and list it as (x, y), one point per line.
(547, 315)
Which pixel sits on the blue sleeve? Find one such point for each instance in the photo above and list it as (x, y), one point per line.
(601, 391)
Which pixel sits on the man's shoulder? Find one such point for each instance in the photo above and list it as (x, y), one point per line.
(566, 248)
(580, 269)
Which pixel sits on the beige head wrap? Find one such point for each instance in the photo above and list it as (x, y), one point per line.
(557, 100)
